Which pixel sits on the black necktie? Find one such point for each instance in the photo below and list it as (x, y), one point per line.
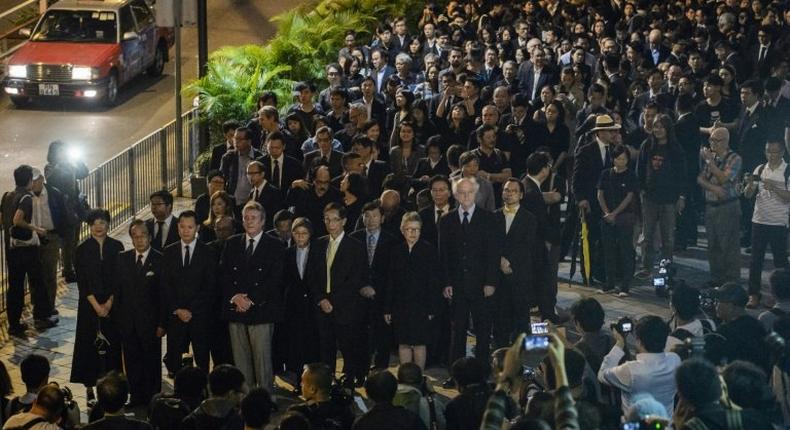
(255, 195)
(250, 248)
(465, 222)
(439, 213)
(158, 236)
(365, 170)
(139, 261)
(762, 53)
(608, 161)
(186, 256)
(276, 173)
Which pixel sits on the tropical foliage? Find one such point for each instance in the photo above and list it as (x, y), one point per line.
(308, 37)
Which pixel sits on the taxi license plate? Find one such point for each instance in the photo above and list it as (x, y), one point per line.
(48, 90)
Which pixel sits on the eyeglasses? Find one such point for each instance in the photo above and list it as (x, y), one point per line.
(258, 172)
(332, 220)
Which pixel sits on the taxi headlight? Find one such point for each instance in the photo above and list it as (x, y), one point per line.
(81, 73)
(17, 71)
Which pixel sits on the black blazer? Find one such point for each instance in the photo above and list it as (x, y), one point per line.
(381, 257)
(313, 158)
(470, 259)
(378, 112)
(377, 171)
(272, 201)
(189, 287)
(290, 171)
(230, 168)
(139, 289)
(587, 167)
(172, 233)
(534, 203)
(430, 229)
(521, 244)
(526, 80)
(424, 168)
(349, 274)
(217, 152)
(259, 276)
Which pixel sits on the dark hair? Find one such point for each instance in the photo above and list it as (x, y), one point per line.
(50, 397)
(224, 379)
(536, 162)
(187, 214)
(23, 175)
(304, 85)
(482, 130)
(35, 370)
(97, 214)
(321, 376)
(230, 125)
(439, 178)
(619, 150)
(698, 382)
(56, 151)
(685, 300)
(256, 407)
(575, 363)
(652, 331)
(357, 185)
(747, 385)
(589, 313)
(112, 391)
(467, 371)
(190, 382)
(277, 135)
(266, 96)
(754, 85)
(372, 206)
(293, 420)
(468, 157)
(780, 284)
(524, 423)
(362, 140)
(409, 373)
(165, 195)
(454, 154)
(714, 80)
(334, 206)
(213, 173)
(246, 131)
(381, 387)
(349, 157)
(270, 112)
(434, 141)
(520, 184)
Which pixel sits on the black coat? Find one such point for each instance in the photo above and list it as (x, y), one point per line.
(313, 158)
(230, 168)
(378, 112)
(118, 422)
(424, 168)
(520, 245)
(534, 203)
(384, 416)
(414, 291)
(96, 277)
(469, 260)
(300, 325)
(430, 229)
(217, 152)
(377, 275)
(290, 171)
(526, 79)
(139, 289)
(172, 233)
(307, 204)
(687, 133)
(751, 135)
(377, 171)
(259, 276)
(272, 201)
(348, 275)
(191, 287)
(587, 167)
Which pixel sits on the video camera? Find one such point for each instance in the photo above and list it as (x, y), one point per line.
(665, 277)
(623, 326)
(647, 423)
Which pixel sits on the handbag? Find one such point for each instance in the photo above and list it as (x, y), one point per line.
(22, 237)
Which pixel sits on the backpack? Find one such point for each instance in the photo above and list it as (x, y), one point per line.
(29, 424)
(168, 412)
(734, 421)
(683, 334)
(786, 173)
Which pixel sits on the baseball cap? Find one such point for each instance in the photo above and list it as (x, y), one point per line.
(733, 293)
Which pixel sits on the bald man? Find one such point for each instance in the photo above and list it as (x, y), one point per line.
(720, 172)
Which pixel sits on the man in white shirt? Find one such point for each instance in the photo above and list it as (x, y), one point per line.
(48, 210)
(652, 372)
(46, 411)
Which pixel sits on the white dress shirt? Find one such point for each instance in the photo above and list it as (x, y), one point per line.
(145, 255)
(255, 241)
(301, 260)
(191, 246)
(470, 212)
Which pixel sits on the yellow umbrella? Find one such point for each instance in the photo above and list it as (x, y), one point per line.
(585, 249)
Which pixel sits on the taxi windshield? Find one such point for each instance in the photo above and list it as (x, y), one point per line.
(76, 26)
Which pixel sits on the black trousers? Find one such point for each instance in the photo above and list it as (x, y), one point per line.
(344, 337)
(619, 254)
(762, 236)
(24, 262)
(142, 354)
(180, 334)
(439, 343)
(511, 315)
(480, 310)
(377, 336)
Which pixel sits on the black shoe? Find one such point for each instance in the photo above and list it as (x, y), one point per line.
(17, 330)
(448, 384)
(90, 397)
(43, 324)
(70, 277)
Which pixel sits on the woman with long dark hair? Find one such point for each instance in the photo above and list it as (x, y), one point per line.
(355, 189)
(406, 152)
(554, 134)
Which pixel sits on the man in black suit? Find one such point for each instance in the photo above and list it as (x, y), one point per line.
(764, 53)
(440, 187)
(352, 163)
(618, 91)
(469, 255)
(283, 220)
(374, 170)
(533, 77)
(324, 154)
(188, 283)
(263, 192)
(228, 130)
(278, 168)
(162, 227)
(687, 133)
(509, 79)
(374, 107)
(140, 317)
(378, 334)
(655, 51)
(214, 182)
(491, 72)
(589, 161)
(309, 199)
(234, 166)
(519, 238)
(654, 94)
(269, 122)
(336, 281)
(252, 290)
(778, 106)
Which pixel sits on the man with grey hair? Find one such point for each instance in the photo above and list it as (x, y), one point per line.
(357, 117)
(720, 172)
(469, 260)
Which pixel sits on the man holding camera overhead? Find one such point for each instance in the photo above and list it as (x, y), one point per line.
(653, 370)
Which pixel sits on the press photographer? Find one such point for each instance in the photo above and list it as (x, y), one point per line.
(684, 302)
(743, 334)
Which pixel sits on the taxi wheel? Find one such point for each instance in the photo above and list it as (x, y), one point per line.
(160, 58)
(111, 96)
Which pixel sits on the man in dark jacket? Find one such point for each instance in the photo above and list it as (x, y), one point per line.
(321, 408)
(252, 270)
(113, 390)
(221, 409)
(381, 388)
(465, 412)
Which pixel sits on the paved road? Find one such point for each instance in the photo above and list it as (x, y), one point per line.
(146, 104)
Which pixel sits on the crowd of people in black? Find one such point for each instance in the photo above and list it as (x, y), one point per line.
(430, 191)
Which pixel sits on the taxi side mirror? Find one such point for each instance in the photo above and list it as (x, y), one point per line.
(24, 32)
(130, 35)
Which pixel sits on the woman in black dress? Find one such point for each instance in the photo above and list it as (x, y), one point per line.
(97, 346)
(414, 291)
(300, 328)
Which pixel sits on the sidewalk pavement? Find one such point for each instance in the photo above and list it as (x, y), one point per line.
(57, 344)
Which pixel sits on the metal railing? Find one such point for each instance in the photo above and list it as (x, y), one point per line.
(122, 184)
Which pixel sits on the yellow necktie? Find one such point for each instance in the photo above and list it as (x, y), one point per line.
(508, 210)
(330, 258)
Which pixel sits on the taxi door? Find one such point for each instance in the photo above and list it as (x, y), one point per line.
(146, 28)
(132, 48)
